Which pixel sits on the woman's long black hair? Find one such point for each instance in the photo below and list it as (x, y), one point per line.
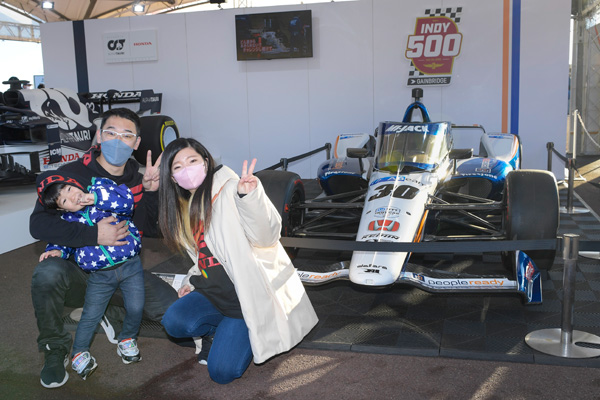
(174, 219)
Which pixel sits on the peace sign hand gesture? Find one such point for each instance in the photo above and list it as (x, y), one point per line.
(151, 176)
(248, 182)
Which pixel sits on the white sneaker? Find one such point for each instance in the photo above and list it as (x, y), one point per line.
(129, 352)
(109, 330)
(84, 364)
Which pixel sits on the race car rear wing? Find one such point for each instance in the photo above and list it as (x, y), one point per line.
(148, 100)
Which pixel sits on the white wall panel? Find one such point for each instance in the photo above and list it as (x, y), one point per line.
(357, 77)
(170, 74)
(544, 81)
(475, 94)
(217, 82)
(58, 55)
(340, 73)
(103, 76)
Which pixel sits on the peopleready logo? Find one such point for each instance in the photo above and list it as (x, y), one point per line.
(464, 283)
(407, 128)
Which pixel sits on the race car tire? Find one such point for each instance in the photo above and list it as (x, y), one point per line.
(532, 212)
(156, 131)
(285, 189)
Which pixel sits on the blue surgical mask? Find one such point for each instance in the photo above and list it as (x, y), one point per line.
(116, 152)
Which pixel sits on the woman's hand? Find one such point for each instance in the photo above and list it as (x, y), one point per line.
(248, 182)
(185, 289)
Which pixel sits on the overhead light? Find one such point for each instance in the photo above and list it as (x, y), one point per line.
(47, 5)
(138, 8)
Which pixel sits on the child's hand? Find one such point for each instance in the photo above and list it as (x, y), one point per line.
(88, 199)
(51, 253)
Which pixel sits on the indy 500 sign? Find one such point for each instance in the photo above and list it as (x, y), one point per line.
(434, 46)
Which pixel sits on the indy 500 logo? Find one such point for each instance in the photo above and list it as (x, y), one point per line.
(432, 48)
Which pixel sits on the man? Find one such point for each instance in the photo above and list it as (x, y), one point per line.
(56, 282)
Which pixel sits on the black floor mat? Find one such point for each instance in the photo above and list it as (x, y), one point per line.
(406, 320)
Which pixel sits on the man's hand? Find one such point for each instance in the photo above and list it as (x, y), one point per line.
(50, 253)
(151, 180)
(112, 235)
(248, 182)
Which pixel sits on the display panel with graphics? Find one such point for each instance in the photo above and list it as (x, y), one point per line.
(275, 35)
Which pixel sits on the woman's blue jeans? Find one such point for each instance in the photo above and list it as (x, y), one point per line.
(194, 315)
(101, 285)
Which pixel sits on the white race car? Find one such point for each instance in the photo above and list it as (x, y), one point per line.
(408, 184)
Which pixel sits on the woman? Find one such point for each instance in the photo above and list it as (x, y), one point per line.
(243, 287)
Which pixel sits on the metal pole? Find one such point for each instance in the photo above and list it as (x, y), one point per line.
(574, 136)
(563, 342)
(550, 147)
(570, 254)
(571, 186)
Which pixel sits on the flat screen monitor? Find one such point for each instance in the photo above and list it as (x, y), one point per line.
(275, 35)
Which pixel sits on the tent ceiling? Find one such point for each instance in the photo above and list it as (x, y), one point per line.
(74, 10)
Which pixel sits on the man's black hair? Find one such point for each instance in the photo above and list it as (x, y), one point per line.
(122, 112)
(50, 196)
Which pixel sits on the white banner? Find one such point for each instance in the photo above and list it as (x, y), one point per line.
(130, 46)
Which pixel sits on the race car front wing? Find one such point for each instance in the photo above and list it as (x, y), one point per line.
(528, 282)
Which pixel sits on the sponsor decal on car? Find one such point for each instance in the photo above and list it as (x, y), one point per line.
(384, 225)
(407, 128)
(316, 277)
(530, 271)
(388, 179)
(383, 237)
(458, 283)
(371, 269)
(66, 157)
(485, 166)
(387, 212)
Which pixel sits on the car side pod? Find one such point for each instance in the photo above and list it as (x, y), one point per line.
(529, 278)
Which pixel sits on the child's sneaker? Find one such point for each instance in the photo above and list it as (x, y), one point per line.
(84, 364)
(128, 350)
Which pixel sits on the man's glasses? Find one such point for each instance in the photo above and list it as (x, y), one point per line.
(126, 136)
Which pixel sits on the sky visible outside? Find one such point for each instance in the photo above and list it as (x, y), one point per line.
(24, 60)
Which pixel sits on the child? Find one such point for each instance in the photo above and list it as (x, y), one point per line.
(109, 267)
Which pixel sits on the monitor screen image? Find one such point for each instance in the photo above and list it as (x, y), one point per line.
(274, 35)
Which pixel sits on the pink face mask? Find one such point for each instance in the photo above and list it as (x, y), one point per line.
(190, 178)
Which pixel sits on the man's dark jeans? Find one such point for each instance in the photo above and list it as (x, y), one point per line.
(57, 283)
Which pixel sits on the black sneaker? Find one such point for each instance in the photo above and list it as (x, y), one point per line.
(54, 374)
(203, 355)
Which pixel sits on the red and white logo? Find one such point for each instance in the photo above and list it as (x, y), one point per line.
(384, 225)
(434, 45)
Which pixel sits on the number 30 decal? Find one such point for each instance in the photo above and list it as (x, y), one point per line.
(401, 192)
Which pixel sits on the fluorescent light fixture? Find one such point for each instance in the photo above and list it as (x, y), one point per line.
(138, 8)
(47, 5)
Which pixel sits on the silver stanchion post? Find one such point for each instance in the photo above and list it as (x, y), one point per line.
(571, 192)
(563, 342)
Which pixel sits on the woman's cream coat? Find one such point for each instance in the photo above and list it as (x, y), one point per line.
(244, 236)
